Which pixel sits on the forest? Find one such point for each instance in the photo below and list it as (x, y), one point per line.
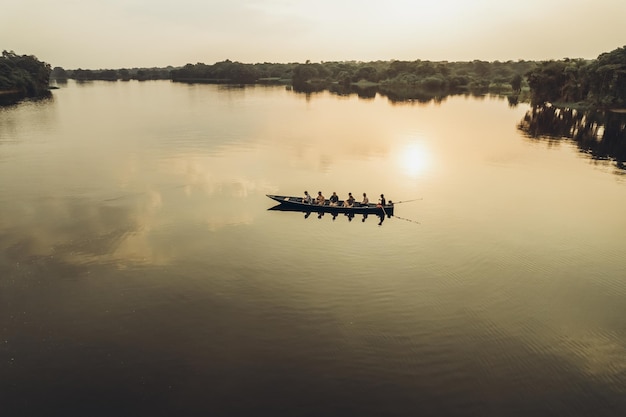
(399, 80)
(599, 83)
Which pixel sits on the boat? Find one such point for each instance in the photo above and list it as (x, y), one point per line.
(290, 203)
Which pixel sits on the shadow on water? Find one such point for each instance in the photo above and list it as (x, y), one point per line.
(331, 214)
(597, 133)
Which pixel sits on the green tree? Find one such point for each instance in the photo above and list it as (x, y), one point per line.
(304, 73)
(607, 79)
(516, 83)
(546, 82)
(368, 73)
(482, 68)
(58, 73)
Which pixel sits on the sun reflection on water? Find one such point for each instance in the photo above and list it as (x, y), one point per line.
(414, 159)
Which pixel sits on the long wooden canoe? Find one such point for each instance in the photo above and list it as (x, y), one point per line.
(295, 203)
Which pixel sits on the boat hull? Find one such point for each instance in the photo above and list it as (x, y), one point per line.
(290, 203)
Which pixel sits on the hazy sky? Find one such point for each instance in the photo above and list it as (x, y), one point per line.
(98, 34)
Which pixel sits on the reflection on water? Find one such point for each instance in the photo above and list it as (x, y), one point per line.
(600, 134)
(141, 272)
(396, 93)
(332, 214)
(415, 159)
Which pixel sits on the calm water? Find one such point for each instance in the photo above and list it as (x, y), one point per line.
(141, 273)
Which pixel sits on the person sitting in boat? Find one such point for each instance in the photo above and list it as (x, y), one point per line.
(334, 199)
(307, 198)
(320, 198)
(381, 201)
(349, 202)
(365, 201)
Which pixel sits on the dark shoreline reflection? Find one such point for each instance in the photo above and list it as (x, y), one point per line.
(400, 93)
(333, 215)
(8, 100)
(597, 133)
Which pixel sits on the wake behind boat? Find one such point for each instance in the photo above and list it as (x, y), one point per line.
(296, 204)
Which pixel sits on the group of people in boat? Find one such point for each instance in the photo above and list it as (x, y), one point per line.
(334, 200)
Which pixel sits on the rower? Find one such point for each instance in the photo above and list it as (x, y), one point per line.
(334, 199)
(349, 201)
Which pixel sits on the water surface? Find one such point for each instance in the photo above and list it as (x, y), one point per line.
(141, 272)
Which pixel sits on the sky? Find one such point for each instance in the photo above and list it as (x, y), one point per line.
(99, 34)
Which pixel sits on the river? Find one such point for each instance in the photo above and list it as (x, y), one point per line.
(141, 272)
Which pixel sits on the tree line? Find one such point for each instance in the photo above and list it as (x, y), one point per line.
(426, 76)
(597, 83)
(591, 83)
(23, 76)
(399, 79)
(123, 74)
(600, 82)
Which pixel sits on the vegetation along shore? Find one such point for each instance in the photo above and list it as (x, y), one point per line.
(575, 83)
